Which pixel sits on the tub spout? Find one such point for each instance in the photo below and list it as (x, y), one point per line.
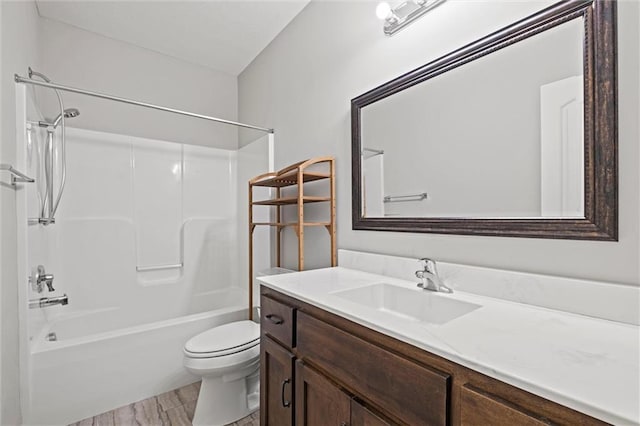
(43, 302)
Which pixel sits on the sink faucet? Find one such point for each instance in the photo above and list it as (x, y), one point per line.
(430, 279)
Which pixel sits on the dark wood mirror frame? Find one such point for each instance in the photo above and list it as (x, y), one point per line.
(600, 130)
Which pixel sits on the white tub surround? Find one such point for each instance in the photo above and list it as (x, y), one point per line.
(585, 363)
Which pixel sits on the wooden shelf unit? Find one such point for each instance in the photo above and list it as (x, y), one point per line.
(294, 175)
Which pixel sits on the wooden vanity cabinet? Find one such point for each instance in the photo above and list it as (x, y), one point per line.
(346, 374)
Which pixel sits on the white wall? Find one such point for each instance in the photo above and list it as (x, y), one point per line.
(302, 84)
(90, 61)
(19, 28)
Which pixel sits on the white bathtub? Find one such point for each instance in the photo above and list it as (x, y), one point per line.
(99, 362)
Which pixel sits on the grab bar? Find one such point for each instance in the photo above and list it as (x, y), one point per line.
(158, 267)
(16, 176)
(413, 197)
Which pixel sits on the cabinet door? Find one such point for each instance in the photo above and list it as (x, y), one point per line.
(276, 384)
(361, 416)
(318, 401)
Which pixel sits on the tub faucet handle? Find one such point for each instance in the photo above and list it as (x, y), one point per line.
(39, 278)
(49, 282)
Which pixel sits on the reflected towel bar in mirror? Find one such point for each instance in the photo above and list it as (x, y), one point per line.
(397, 198)
(371, 152)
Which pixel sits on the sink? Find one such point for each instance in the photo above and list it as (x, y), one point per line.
(416, 305)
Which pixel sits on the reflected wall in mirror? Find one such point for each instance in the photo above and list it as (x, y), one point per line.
(441, 137)
(514, 134)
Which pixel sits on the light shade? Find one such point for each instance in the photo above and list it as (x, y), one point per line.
(402, 15)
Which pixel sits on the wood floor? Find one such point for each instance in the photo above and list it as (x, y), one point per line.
(174, 408)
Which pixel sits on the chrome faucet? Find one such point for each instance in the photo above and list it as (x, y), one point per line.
(43, 302)
(430, 279)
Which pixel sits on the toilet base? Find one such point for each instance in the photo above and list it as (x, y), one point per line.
(221, 402)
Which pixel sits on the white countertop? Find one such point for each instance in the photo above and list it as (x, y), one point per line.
(588, 364)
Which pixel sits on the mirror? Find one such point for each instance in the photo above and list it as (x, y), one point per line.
(512, 135)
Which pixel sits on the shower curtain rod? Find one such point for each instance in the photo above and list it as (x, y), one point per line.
(20, 79)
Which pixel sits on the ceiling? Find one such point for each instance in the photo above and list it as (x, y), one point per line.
(222, 35)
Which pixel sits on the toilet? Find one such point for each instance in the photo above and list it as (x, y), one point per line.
(227, 358)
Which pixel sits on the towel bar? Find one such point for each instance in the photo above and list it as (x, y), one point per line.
(158, 267)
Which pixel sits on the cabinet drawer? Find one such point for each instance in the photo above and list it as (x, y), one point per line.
(405, 390)
(478, 407)
(277, 320)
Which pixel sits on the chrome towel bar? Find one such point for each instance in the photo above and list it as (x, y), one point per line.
(16, 176)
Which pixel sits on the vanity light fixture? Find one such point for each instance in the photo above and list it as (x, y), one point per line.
(402, 15)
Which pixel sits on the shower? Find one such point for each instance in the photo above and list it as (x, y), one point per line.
(68, 113)
(50, 202)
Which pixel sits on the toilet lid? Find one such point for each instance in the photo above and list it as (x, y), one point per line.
(225, 339)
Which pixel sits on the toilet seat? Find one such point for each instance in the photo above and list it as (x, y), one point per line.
(224, 340)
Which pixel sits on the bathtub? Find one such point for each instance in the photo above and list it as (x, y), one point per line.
(101, 360)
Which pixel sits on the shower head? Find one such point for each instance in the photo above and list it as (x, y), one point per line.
(68, 113)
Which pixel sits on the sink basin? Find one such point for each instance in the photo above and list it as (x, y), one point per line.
(416, 305)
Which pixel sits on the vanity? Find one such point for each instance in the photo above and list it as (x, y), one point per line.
(347, 347)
